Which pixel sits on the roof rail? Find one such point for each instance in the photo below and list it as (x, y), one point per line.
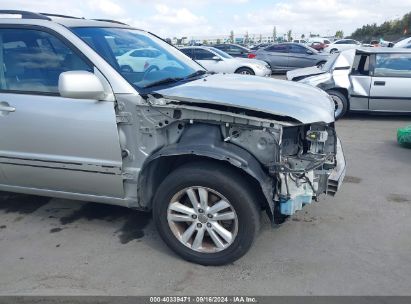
(112, 21)
(24, 14)
(58, 15)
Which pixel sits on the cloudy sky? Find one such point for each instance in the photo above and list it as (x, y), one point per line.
(177, 18)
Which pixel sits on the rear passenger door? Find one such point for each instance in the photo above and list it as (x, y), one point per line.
(48, 142)
(391, 83)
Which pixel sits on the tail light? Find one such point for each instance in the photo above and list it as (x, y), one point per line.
(251, 55)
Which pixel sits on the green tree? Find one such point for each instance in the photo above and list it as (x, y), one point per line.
(388, 30)
(232, 36)
(274, 33)
(289, 35)
(339, 34)
(246, 38)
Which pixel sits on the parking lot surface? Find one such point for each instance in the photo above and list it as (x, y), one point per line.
(358, 243)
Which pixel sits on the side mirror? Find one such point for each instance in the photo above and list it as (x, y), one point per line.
(80, 85)
(310, 52)
(216, 58)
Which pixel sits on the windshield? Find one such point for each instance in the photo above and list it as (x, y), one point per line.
(403, 43)
(330, 62)
(141, 58)
(221, 53)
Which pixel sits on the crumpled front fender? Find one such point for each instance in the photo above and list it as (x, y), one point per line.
(206, 140)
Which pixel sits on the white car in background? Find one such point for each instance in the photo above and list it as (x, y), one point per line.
(217, 61)
(142, 59)
(405, 43)
(341, 45)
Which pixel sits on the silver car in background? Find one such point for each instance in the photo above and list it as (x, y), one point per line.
(365, 80)
(217, 61)
(289, 56)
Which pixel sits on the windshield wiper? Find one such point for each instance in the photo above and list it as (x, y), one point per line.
(175, 79)
(164, 81)
(195, 74)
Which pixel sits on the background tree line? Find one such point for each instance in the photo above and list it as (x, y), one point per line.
(389, 30)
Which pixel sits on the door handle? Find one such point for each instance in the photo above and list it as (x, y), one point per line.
(5, 107)
(379, 83)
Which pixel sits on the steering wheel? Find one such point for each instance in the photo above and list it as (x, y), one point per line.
(149, 70)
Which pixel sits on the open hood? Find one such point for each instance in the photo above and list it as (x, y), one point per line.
(304, 72)
(277, 97)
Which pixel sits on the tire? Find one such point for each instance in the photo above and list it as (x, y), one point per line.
(126, 69)
(320, 64)
(333, 51)
(218, 180)
(341, 103)
(245, 71)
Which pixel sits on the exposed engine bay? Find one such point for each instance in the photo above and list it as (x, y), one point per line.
(291, 161)
(299, 157)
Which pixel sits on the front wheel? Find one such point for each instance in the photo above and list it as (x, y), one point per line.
(206, 214)
(245, 71)
(320, 64)
(340, 102)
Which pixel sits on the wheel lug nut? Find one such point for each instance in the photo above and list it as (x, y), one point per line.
(199, 225)
(194, 216)
(210, 215)
(200, 210)
(208, 225)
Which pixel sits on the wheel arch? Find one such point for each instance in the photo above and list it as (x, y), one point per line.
(245, 67)
(211, 147)
(343, 91)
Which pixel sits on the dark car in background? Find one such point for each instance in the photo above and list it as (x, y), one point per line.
(288, 56)
(235, 50)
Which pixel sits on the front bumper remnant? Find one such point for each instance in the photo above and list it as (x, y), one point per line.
(337, 176)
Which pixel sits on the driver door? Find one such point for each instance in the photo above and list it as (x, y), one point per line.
(48, 142)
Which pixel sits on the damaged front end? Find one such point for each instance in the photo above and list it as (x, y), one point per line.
(270, 133)
(305, 161)
(293, 163)
(311, 163)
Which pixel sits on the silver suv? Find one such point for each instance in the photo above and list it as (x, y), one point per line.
(205, 153)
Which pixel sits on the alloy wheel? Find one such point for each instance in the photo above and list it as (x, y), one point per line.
(202, 219)
(339, 105)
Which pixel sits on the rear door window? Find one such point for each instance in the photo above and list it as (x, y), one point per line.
(279, 48)
(297, 49)
(188, 52)
(200, 54)
(393, 65)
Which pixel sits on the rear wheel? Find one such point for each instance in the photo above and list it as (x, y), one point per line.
(245, 71)
(126, 69)
(333, 51)
(206, 213)
(341, 103)
(320, 64)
